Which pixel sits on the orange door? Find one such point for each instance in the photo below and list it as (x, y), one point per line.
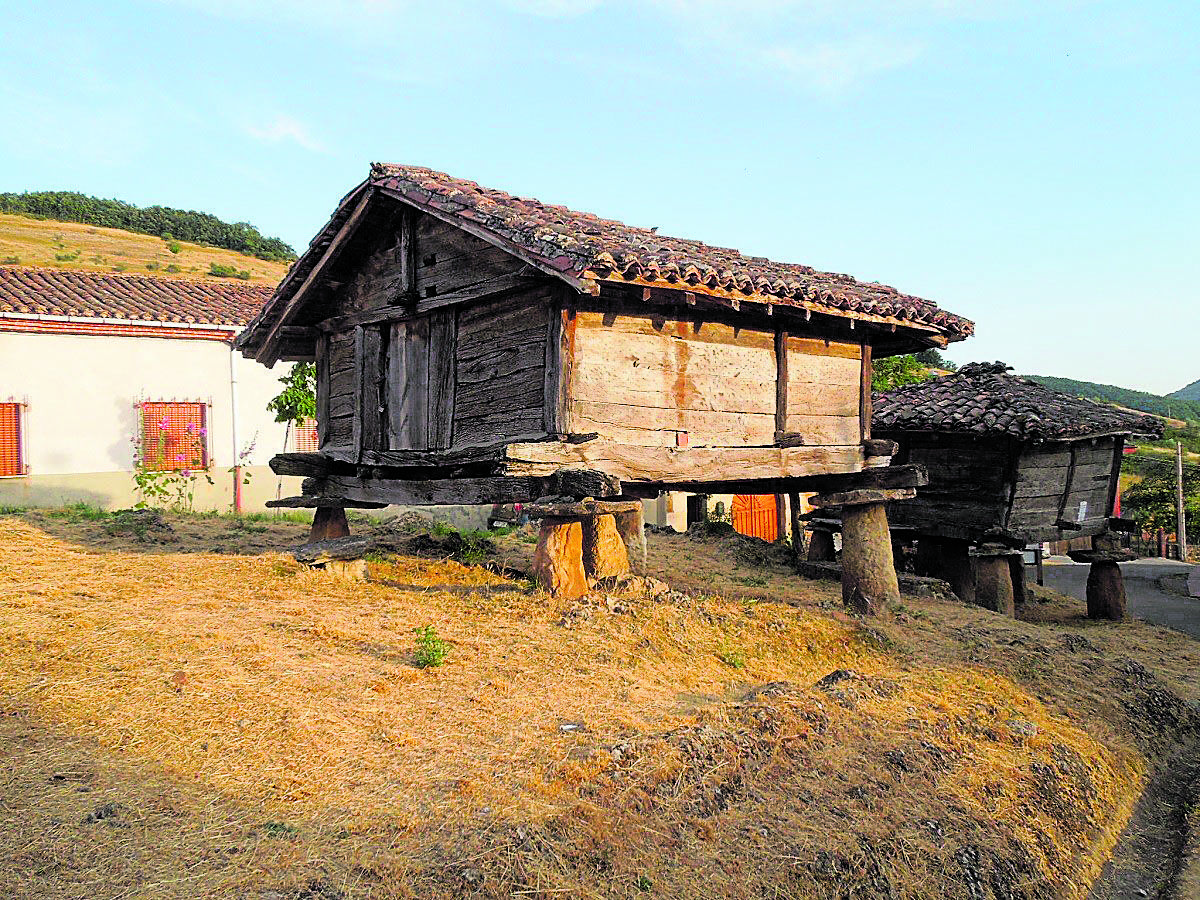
(754, 514)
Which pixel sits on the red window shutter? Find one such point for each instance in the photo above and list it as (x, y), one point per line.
(305, 437)
(10, 440)
(174, 436)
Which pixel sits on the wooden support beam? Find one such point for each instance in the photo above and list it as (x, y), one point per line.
(318, 503)
(864, 403)
(693, 465)
(486, 290)
(434, 492)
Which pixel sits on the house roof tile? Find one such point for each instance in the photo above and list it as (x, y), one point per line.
(96, 295)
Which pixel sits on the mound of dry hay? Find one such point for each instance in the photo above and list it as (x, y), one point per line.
(273, 688)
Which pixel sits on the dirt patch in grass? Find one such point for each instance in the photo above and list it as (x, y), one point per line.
(942, 751)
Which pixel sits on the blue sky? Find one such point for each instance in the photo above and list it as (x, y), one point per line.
(1031, 165)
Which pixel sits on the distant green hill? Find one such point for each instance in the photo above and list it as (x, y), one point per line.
(1175, 405)
(161, 221)
(1191, 393)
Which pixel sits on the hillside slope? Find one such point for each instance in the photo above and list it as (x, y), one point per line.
(1172, 406)
(69, 245)
(1190, 393)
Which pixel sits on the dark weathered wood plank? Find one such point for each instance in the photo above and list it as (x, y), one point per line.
(322, 391)
(372, 378)
(443, 343)
(436, 492)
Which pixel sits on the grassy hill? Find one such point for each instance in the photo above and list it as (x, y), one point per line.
(1190, 393)
(1177, 405)
(70, 245)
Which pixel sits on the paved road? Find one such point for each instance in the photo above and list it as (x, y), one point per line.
(1147, 601)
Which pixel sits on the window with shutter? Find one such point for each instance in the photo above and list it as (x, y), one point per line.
(174, 436)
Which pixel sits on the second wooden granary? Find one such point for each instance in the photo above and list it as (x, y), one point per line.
(1011, 463)
(473, 346)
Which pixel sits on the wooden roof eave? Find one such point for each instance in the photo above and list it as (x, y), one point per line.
(924, 335)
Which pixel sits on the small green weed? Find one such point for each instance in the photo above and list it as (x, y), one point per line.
(431, 650)
(280, 829)
(79, 512)
(750, 580)
(11, 260)
(733, 657)
(12, 510)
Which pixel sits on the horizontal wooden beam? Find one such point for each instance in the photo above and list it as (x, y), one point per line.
(434, 492)
(495, 287)
(697, 465)
(318, 502)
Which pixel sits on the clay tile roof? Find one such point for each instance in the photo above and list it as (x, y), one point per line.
(582, 245)
(983, 398)
(96, 295)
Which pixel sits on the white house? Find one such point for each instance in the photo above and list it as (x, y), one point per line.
(94, 366)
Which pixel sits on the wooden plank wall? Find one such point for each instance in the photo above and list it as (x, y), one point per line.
(665, 383)
(500, 365)
(968, 483)
(670, 383)
(449, 260)
(1042, 481)
(824, 381)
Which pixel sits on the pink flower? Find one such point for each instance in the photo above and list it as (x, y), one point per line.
(164, 423)
(203, 431)
(186, 473)
(179, 458)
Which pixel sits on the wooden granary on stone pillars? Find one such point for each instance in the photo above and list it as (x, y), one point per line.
(1010, 463)
(474, 347)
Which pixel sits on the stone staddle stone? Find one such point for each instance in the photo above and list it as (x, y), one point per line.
(558, 558)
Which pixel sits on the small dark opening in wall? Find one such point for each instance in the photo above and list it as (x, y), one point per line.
(431, 290)
(429, 259)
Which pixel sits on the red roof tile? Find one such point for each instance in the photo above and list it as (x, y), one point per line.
(57, 292)
(582, 245)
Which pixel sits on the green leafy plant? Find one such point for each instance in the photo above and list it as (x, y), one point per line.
(222, 271)
(172, 268)
(11, 260)
(297, 402)
(169, 488)
(431, 650)
(897, 371)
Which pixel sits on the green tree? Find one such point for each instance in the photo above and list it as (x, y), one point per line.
(897, 371)
(933, 359)
(1152, 500)
(297, 402)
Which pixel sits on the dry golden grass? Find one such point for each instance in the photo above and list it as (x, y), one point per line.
(37, 242)
(252, 692)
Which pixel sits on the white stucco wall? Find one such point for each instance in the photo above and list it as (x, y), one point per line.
(81, 392)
